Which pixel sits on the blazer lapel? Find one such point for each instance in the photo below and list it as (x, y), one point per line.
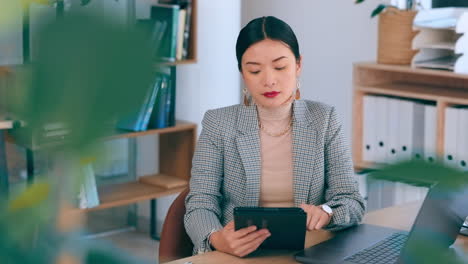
(248, 144)
(303, 148)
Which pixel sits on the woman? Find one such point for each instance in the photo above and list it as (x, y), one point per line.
(273, 151)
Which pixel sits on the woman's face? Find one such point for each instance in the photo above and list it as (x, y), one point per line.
(270, 72)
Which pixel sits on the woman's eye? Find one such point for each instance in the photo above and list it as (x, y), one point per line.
(280, 68)
(255, 72)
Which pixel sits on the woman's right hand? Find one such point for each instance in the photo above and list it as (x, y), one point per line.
(238, 243)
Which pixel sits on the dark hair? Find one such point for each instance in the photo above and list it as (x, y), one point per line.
(261, 28)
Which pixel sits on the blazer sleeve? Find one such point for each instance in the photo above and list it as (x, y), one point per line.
(203, 212)
(341, 191)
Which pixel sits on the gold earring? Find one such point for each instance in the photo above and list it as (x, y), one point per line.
(246, 98)
(298, 92)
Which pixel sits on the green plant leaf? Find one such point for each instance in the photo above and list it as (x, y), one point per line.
(85, 2)
(420, 173)
(33, 196)
(359, 1)
(378, 10)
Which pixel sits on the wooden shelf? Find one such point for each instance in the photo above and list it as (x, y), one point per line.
(175, 63)
(442, 88)
(128, 193)
(365, 165)
(415, 91)
(409, 70)
(179, 127)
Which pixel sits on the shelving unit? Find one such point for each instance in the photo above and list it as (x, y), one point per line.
(443, 88)
(176, 146)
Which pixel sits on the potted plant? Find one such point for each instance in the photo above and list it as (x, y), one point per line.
(395, 31)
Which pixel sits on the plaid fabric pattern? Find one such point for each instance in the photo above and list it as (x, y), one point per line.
(226, 168)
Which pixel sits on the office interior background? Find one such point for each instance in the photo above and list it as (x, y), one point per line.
(332, 36)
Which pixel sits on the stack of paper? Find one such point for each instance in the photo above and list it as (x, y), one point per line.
(441, 41)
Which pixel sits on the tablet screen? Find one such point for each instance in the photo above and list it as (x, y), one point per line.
(287, 225)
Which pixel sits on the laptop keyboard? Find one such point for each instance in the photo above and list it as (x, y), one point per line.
(385, 251)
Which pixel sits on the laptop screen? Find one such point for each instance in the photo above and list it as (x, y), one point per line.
(437, 225)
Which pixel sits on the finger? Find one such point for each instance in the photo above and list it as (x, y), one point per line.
(322, 222)
(251, 246)
(315, 218)
(229, 226)
(253, 236)
(243, 232)
(309, 218)
(306, 209)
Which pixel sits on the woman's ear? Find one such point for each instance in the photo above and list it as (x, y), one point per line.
(299, 66)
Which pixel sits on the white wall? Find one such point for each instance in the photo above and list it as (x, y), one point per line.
(214, 81)
(332, 35)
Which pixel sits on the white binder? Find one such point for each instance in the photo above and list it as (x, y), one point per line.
(430, 129)
(381, 128)
(393, 129)
(361, 179)
(418, 131)
(450, 138)
(405, 130)
(462, 139)
(369, 146)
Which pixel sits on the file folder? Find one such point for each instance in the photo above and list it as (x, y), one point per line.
(369, 141)
(462, 139)
(450, 138)
(393, 128)
(418, 131)
(430, 129)
(381, 128)
(405, 130)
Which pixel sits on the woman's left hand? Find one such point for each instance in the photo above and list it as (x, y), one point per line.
(316, 217)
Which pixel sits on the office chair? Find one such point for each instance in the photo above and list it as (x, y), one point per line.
(175, 243)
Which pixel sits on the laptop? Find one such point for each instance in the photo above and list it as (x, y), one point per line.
(439, 220)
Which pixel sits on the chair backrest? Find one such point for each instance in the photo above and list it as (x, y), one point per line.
(175, 243)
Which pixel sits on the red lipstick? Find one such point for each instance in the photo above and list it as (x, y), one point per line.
(271, 94)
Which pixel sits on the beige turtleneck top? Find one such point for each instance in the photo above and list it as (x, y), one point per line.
(276, 189)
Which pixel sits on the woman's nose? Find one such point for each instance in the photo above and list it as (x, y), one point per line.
(269, 79)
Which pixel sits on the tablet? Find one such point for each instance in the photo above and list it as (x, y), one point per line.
(287, 225)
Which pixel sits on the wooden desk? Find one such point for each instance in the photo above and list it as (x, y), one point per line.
(399, 217)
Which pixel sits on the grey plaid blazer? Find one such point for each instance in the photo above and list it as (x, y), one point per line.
(226, 168)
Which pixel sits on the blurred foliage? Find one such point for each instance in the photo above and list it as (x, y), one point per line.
(429, 252)
(448, 180)
(25, 224)
(421, 173)
(86, 74)
(381, 7)
(37, 193)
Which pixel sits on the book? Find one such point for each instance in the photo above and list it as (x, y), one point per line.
(180, 34)
(158, 117)
(88, 194)
(187, 6)
(133, 120)
(150, 105)
(136, 121)
(168, 14)
(163, 114)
